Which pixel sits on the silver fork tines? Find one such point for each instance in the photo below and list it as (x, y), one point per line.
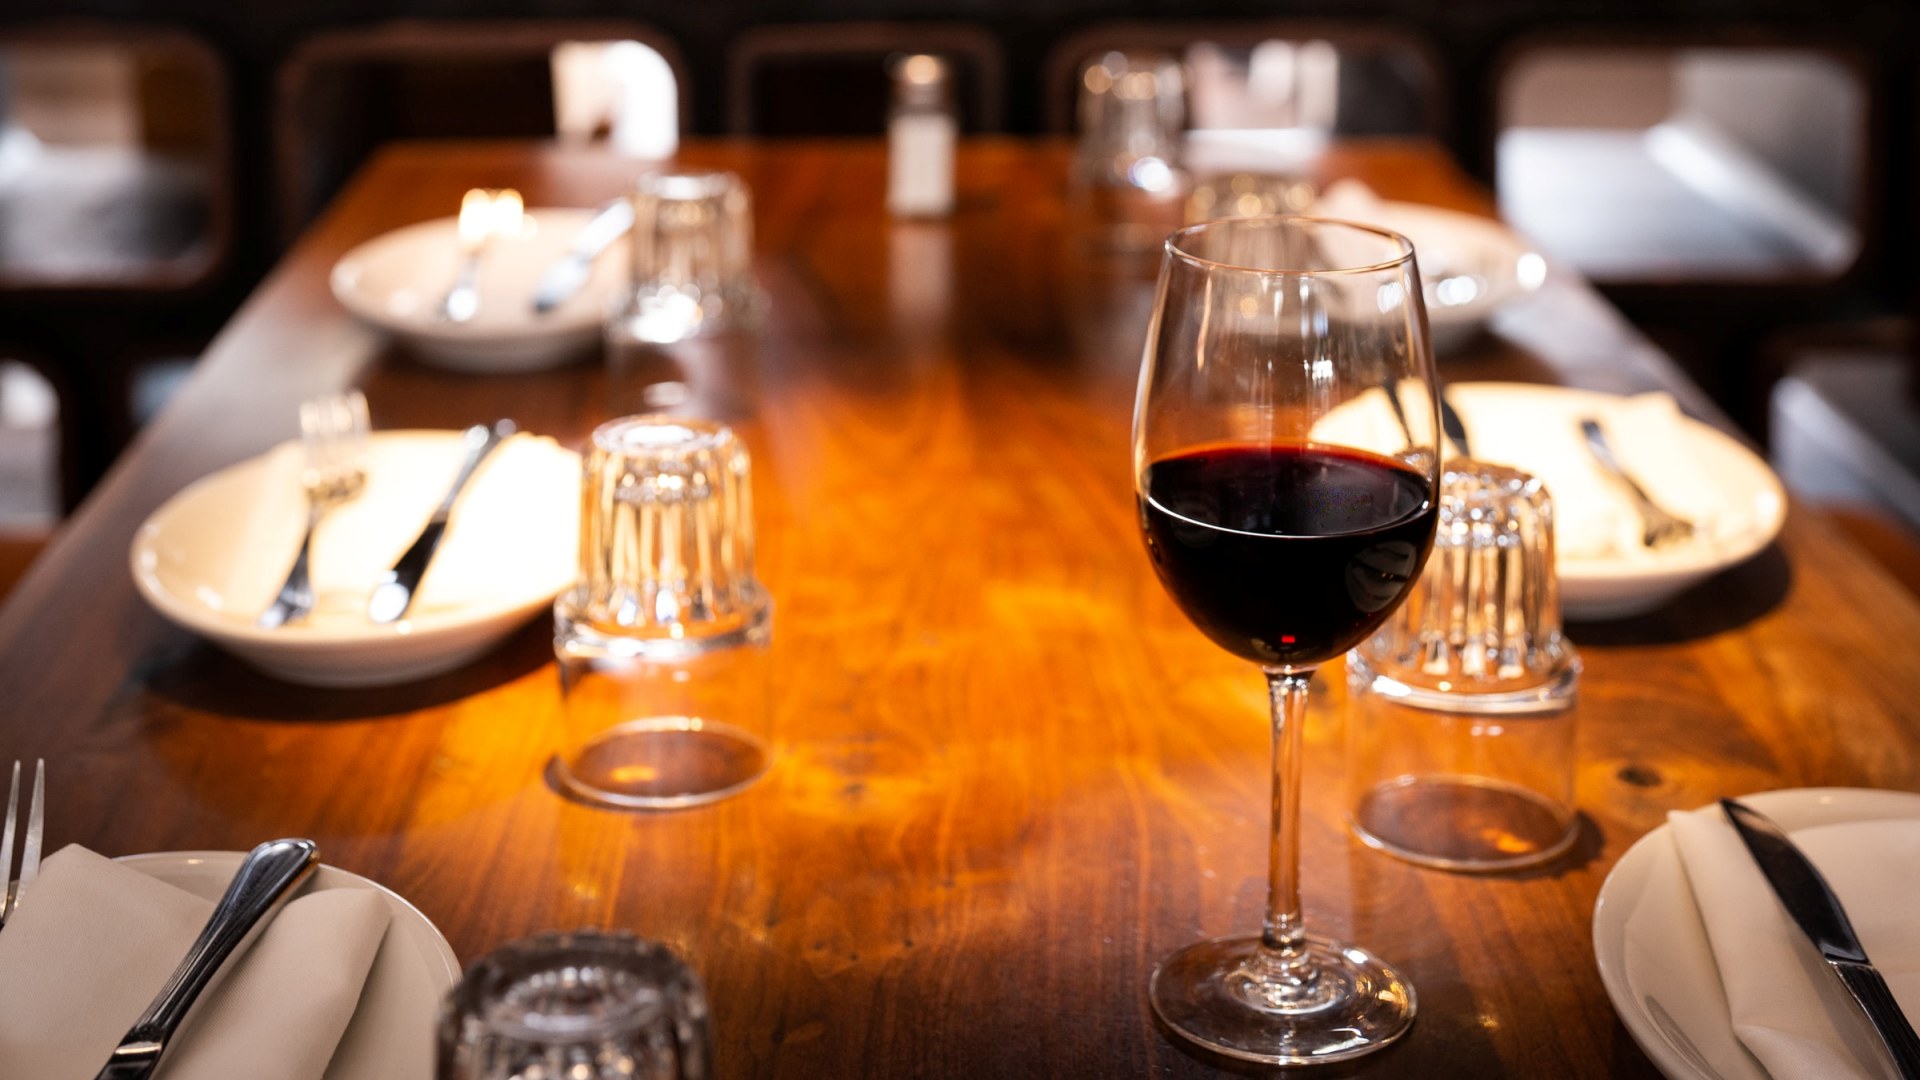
(13, 890)
(333, 434)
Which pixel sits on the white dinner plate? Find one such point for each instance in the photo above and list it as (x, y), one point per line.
(391, 1035)
(1652, 947)
(213, 556)
(396, 282)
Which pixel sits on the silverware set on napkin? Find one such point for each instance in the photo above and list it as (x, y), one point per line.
(1661, 527)
(270, 875)
(1813, 907)
(11, 889)
(266, 880)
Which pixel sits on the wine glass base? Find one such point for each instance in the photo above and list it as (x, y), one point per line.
(1356, 1005)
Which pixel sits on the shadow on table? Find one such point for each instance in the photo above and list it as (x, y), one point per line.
(204, 679)
(1725, 602)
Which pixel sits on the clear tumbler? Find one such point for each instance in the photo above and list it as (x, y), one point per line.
(663, 644)
(584, 1005)
(691, 259)
(1462, 706)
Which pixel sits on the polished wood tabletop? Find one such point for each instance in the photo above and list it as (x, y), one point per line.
(1011, 775)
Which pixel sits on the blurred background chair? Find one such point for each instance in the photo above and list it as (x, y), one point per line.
(116, 227)
(343, 92)
(1687, 163)
(1338, 78)
(832, 78)
(1844, 433)
(1714, 183)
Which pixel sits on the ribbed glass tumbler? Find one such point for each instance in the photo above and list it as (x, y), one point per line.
(663, 645)
(691, 258)
(584, 1005)
(1461, 725)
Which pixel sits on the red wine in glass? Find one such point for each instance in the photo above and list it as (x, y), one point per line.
(1286, 555)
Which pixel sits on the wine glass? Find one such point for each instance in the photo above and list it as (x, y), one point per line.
(1285, 452)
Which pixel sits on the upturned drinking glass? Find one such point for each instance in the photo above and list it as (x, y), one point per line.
(585, 1005)
(663, 644)
(690, 258)
(1462, 707)
(1287, 533)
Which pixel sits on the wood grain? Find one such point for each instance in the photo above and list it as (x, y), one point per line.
(1011, 776)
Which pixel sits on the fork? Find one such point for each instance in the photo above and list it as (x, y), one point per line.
(333, 434)
(10, 890)
(1658, 527)
(484, 215)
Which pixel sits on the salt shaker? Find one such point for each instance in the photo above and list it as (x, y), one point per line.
(1462, 706)
(920, 136)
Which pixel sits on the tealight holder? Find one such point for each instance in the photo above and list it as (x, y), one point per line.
(663, 644)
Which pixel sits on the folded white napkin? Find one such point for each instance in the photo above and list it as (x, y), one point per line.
(1786, 1006)
(94, 941)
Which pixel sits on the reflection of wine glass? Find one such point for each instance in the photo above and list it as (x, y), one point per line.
(1286, 540)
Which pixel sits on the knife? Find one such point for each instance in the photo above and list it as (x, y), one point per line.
(1812, 905)
(1455, 428)
(394, 592)
(566, 276)
(263, 883)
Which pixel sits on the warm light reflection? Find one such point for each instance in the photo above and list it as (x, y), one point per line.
(509, 213)
(1531, 271)
(476, 216)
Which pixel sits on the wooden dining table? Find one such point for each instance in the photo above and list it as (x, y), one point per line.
(1010, 775)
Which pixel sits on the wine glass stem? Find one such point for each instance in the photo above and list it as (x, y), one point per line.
(1286, 964)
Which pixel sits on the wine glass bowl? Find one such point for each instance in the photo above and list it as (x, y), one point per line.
(1287, 538)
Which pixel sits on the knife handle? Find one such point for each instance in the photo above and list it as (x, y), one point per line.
(1870, 991)
(480, 441)
(263, 882)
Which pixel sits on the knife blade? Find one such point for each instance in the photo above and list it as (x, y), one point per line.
(570, 272)
(1811, 904)
(393, 594)
(270, 874)
(1454, 427)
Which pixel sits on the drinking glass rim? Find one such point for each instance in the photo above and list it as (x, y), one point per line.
(1174, 250)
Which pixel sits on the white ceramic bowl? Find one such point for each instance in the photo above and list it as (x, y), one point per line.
(1689, 468)
(213, 557)
(1470, 266)
(396, 282)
